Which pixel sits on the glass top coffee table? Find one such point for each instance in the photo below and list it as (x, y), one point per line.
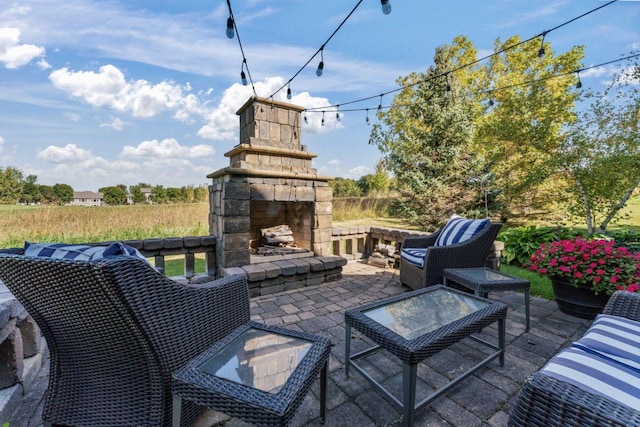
(418, 324)
(484, 280)
(258, 373)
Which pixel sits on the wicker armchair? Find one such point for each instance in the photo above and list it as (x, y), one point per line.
(547, 401)
(117, 330)
(468, 254)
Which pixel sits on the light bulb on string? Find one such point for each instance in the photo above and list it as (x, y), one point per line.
(380, 104)
(337, 112)
(243, 76)
(541, 51)
(321, 64)
(491, 102)
(386, 6)
(230, 31)
(289, 92)
(367, 118)
(579, 84)
(306, 121)
(322, 122)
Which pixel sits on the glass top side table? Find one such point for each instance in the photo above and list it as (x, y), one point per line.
(484, 280)
(258, 373)
(419, 324)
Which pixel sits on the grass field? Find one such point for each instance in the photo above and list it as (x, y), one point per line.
(76, 224)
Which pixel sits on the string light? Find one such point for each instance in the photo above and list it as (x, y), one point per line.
(243, 76)
(367, 118)
(579, 84)
(541, 50)
(289, 92)
(305, 119)
(319, 50)
(386, 6)
(491, 102)
(321, 64)
(322, 122)
(467, 65)
(230, 31)
(337, 113)
(245, 66)
(380, 104)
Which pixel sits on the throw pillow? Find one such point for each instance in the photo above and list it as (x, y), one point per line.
(459, 229)
(80, 252)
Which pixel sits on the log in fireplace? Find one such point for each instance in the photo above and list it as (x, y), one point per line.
(270, 181)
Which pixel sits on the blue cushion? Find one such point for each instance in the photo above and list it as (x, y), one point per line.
(414, 256)
(614, 337)
(597, 375)
(79, 252)
(458, 229)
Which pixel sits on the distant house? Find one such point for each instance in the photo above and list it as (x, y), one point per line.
(147, 194)
(86, 198)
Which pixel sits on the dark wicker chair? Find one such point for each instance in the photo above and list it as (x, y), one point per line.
(468, 254)
(546, 401)
(117, 330)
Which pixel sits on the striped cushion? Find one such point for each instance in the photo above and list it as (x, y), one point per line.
(614, 337)
(596, 375)
(79, 252)
(414, 256)
(458, 230)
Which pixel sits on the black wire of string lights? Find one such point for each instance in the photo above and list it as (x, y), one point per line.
(541, 53)
(386, 9)
(496, 89)
(232, 30)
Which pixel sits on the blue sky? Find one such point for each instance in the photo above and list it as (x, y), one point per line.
(97, 93)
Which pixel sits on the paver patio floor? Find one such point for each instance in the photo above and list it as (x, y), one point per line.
(483, 399)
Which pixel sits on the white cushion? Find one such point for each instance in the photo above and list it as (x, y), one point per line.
(414, 256)
(80, 252)
(597, 375)
(615, 337)
(458, 230)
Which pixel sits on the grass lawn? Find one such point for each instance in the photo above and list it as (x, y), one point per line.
(540, 285)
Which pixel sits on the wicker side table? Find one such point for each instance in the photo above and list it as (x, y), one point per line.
(484, 280)
(258, 373)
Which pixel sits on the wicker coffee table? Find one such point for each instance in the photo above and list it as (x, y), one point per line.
(484, 280)
(418, 324)
(259, 374)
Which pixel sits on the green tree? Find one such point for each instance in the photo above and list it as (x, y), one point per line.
(377, 182)
(159, 194)
(528, 102)
(11, 180)
(200, 194)
(30, 190)
(427, 136)
(63, 192)
(601, 153)
(137, 194)
(49, 196)
(345, 187)
(113, 195)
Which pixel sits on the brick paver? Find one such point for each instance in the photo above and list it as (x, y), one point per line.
(484, 399)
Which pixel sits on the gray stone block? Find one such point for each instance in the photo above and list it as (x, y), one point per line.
(13, 359)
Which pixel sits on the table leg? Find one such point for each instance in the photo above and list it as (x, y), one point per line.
(177, 409)
(323, 392)
(409, 373)
(501, 338)
(527, 309)
(347, 349)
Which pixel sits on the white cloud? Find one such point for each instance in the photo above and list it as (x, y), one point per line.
(15, 55)
(166, 149)
(72, 116)
(358, 172)
(116, 123)
(73, 156)
(1, 142)
(334, 162)
(109, 88)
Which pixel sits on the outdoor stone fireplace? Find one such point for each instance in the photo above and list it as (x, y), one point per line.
(269, 182)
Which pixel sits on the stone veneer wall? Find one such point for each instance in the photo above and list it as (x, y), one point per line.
(230, 212)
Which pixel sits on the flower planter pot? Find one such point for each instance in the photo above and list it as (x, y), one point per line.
(579, 302)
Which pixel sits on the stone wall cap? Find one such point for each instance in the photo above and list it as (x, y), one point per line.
(267, 174)
(269, 101)
(263, 149)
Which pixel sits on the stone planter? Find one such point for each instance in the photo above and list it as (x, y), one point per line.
(577, 301)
